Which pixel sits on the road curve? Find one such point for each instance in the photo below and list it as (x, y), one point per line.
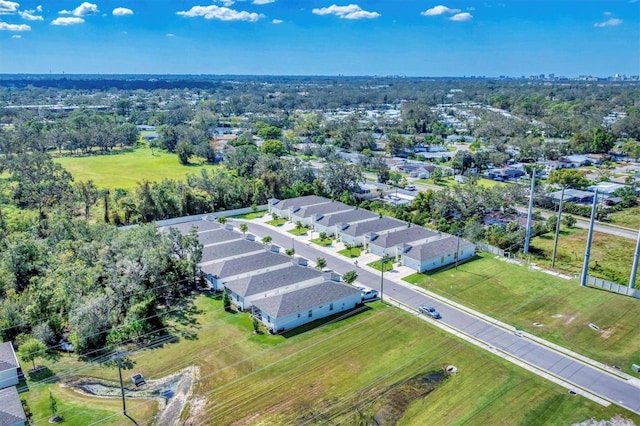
(598, 382)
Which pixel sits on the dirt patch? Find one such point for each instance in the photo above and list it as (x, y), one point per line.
(606, 333)
(172, 392)
(395, 401)
(570, 319)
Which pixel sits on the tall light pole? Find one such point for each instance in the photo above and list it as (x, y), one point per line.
(457, 248)
(555, 243)
(530, 213)
(587, 252)
(634, 268)
(124, 406)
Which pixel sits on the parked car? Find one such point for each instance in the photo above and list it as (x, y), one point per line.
(138, 379)
(368, 293)
(410, 187)
(429, 310)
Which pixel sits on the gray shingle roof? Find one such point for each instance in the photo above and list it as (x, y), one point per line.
(437, 248)
(218, 236)
(402, 236)
(232, 248)
(307, 200)
(11, 411)
(319, 209)
(272, 280)
(253, 262)
(201, 225)
(8, 358)
(381, 224)
(304, 299)
(356, 215)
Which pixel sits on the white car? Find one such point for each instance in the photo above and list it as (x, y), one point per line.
(368, 293)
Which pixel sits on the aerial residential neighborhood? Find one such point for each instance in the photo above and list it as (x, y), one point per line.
(272, 213)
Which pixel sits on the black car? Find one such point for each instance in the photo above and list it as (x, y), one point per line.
(429, 310)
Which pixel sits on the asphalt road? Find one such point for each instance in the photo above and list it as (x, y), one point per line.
(598, 382)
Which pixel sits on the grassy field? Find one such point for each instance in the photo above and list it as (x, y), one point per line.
(629, 218)
(126, 169)
(339, 372)
(515, 295)
(277, 222)
(448, 182)
(388, 265)
(298, 232)
(611, 257)
(251, 216)
(323, 243)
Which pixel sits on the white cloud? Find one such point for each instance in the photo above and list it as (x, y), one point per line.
(352, 11)
(277, 21)
(439, 10)
(16, 36)
(14, 27)
(122, 11)
(613, 22)
(29, 15)
(8, 7)
(71, 20)
(84, 9)
(461, 17)
(227, 3)
(221, 13)
(39, 8)
(171, 35)
(263, 1)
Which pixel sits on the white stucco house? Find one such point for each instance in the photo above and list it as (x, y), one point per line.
(330, 223)
(398, 242)
(9, 366)
(283, 207)
(435, 254)
(295, 308)
(307, 215)
(243, 291)
(358, 234)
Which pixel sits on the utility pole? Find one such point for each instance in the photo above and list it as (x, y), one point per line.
(587, 252)
(382, 262)
(555, 243)
(634, 269)
(527, 237)
(457, 248)
(124, 405)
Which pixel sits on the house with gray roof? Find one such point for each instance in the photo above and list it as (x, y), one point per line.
(11, 411)
(244, 291)
(9, 366)
(307, 215)
(218, 236)
(283, 207)
(330, 223)
(395, 243)
(435, 254)
(292, 309)
(239, 267)
(229, 250)
(358, 234)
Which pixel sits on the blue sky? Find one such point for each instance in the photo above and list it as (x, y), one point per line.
(313, 37)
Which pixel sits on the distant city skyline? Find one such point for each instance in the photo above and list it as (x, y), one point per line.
(283, 37)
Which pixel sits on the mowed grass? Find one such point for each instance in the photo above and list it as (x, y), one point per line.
(350, 252)
(521, 297)
(629, 218)
(126, 169)
(327, 374)
(611, 257)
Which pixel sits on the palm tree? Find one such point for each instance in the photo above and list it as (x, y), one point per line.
(244, 228)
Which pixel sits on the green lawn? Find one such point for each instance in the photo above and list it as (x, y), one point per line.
(330, 374)
(388, 265)
(298, 232)
(449, 182)
(324, 243)
(251, 216)
(277, 222)
(126, 169)
(629, 218)
(611, 257)
(350, 252)
(518, 296)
